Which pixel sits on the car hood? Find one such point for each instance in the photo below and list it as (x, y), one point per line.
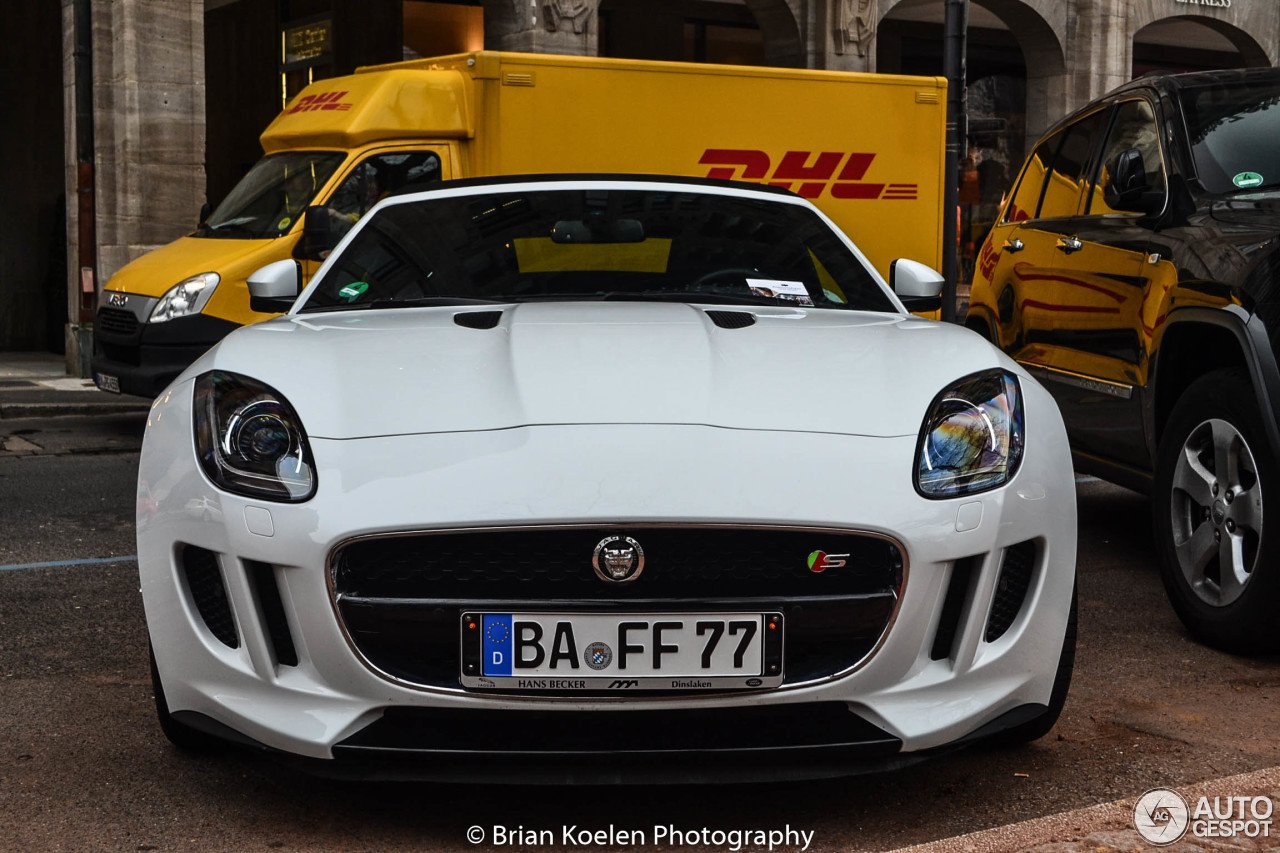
(415, 370)
(1259, 211)
(157, 271)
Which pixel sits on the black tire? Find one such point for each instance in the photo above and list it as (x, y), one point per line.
(1217, 563)
(1043, 724)
(180, 735)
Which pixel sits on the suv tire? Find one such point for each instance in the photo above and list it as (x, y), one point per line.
(1214, 470)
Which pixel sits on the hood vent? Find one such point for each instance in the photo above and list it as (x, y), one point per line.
(478, 319)
(732, 319)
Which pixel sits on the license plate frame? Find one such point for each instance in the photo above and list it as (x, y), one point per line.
(107, 382)
(765, 674)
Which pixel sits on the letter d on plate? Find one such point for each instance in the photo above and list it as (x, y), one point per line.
(497, 644)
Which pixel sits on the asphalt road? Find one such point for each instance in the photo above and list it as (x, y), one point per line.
(83, 765)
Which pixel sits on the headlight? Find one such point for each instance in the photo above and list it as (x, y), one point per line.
(185, 297)
(971, 440)
(250, 440)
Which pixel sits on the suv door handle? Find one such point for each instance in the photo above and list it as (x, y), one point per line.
(1014, 245)
(1069, 244)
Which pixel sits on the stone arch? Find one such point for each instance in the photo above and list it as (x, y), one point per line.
(1251, 51)
(1039, 27)
(781, 31)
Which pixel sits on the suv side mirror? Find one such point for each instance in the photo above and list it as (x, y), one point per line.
(274, 288)
(318, 238)
(918, 286)
(1128, 188)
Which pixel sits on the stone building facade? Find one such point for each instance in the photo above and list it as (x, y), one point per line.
(169, 77)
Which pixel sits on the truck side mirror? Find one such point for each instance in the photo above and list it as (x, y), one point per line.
(917, 285)
(274, 288)
(318, 237)
(1128, 189)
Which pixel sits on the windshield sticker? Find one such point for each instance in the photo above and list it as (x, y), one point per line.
(1247, 180)
(284, 223)
(353, 291)
(787, 291)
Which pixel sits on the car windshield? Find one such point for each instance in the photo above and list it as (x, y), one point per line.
(597, 244)
(272, 196)
(1233, 130)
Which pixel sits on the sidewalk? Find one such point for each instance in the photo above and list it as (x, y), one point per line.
(36, 385)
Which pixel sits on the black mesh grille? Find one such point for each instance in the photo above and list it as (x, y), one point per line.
(401, 598)
(268, 590)
(732, 319)
(1011, 588)
(208, 593)
(115, 321)
(478, 319)
(953, 607)
(551, 564)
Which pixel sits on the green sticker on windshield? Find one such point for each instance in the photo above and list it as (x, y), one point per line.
(284, 223)
(1247, 180)
(353, 291)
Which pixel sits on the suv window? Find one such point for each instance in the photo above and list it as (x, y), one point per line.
(1026, 198)
(1134, 128)
(1068, 177)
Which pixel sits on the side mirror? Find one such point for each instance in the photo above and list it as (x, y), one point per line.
(274, 288)
(1128, 189)
(205, 210)
(318, 237)
(917, 285)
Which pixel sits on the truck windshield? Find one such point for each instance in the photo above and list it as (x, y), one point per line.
(1233, 130)
(272, 196)
(596, 244)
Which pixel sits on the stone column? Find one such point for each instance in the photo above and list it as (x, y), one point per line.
(543, 26)
(149, 133)
(1100, 50)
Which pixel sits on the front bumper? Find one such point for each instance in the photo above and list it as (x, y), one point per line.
(132, 356)
(292, 681)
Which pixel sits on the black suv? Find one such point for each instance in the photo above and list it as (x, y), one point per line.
(1135, 270)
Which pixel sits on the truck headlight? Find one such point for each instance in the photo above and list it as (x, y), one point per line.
(971, 440)
(185, 297)
(249, 439)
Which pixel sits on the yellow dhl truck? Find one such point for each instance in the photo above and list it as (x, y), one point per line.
(867, 149)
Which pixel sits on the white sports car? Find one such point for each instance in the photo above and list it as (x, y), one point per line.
(593, 479)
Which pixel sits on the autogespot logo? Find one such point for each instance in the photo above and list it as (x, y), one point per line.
(1161, 816)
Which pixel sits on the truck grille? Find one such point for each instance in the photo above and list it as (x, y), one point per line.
(116, 321)
(400, 598)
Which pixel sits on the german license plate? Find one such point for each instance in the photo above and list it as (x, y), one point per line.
(568, 652)
(106, 382)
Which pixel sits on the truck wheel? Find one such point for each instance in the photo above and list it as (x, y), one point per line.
(182, 736)
(1214, 470)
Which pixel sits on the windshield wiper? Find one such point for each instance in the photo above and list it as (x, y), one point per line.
(419, 302)
(685, 296)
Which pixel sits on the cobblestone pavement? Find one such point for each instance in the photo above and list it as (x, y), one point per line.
(1108, 828)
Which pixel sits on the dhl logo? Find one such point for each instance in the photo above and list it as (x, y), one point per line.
(323, 101)
(813, 177)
